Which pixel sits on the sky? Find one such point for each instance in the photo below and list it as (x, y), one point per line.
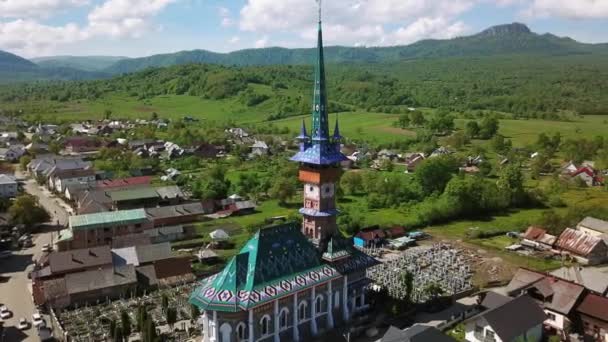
(135, 28)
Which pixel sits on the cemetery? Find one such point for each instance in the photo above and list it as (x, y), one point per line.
(94, 323)
(438, 265)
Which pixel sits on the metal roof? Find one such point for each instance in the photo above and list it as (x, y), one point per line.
(133, 194)
(100, 279)
(7, 179)
(79, 259)
(591, 278)
(594, 224)
(594, 306)
(578, 242)
(107, 219)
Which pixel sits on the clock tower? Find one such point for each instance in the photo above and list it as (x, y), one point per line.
(319, 159)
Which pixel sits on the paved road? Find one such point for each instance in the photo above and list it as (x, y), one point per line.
(15, 288)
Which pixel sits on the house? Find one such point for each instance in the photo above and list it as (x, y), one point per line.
(8, 186)
(238, 133)
(12, 153)
(369, 237)
(538, 238)
(72, 191)
(106, 284)
(208, 151)
(124, 182)
(176, 214)
(416, 333)
(61, 179)
(524, 323)
(387, 154)
(412, 161)
(100, 228)
(130, 240)
(441, 151)
(132, 198)
(492, 300)
(588, 175)
(45, 166)
(568, 168)
(258, 149)
(170, 174)
(589, 277)
(585, 248)
(593, 226)
(75, 145)
(142, 255)
(593, 312)
(557, 297)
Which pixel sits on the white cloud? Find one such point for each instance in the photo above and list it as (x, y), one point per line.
(112, 18)
(226, 17)
(439, 28)
(125, 17)
(261, 43)
(360, 22)
(35, 8)
(571, 9)
(29, 37)
(234, 40)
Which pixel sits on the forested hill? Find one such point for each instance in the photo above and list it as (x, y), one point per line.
(9, 61)
(86, 63)
(547, 87)
(498, 40)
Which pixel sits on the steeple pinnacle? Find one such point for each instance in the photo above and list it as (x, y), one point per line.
(320, 129)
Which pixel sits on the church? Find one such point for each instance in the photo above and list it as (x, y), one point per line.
(293, 282)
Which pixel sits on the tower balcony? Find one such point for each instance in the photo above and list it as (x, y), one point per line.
(320, 175)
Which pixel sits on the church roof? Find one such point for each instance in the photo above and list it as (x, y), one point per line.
(277, 261)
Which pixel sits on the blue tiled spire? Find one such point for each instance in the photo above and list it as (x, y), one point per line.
(322, 149)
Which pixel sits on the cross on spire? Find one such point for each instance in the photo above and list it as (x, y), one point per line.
(320, 2)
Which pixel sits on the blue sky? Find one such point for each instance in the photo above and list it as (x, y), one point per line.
(144, 27)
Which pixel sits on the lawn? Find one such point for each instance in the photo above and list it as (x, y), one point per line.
(525, 132)
(371, 127)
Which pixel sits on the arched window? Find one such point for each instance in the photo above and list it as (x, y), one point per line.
(284, 319)
(336, 299)
(225, 332)
(241, 331)
(319, 304)
(265, 325)
(302, 308)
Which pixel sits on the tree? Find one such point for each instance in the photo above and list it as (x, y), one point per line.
(23, 161)
(404, 121)
(416, 118)
(511, 183)
(352, 183)
(112, 327)
(118, 335)
(386, 165)
(471, 129)
(283, 189)
(149, 333)
(27, 211)
(125, 323)
(164, 302)
(249, 184)
(434, 173)
(171, 316)
(194, 312)
(407, 279)
(500, 144)
(107, 114)
(488, 127)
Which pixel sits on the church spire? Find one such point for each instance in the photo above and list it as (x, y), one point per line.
(320, 127)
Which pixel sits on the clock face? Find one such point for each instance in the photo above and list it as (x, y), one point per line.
(327, 190)
(311, 191)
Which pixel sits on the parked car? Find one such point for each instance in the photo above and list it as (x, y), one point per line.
(47, 248)
(37, 320)
(23, 324)
(5, 254)
(5, 313)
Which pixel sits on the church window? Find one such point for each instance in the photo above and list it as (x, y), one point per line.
(302, 311)
(337, 299)
(265, 325)
(319, 304)
(284, 318)
(241, 332)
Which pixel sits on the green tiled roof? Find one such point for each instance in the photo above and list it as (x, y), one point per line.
(133, 194)
(106, 219)
(277, 261)
(65, 234)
